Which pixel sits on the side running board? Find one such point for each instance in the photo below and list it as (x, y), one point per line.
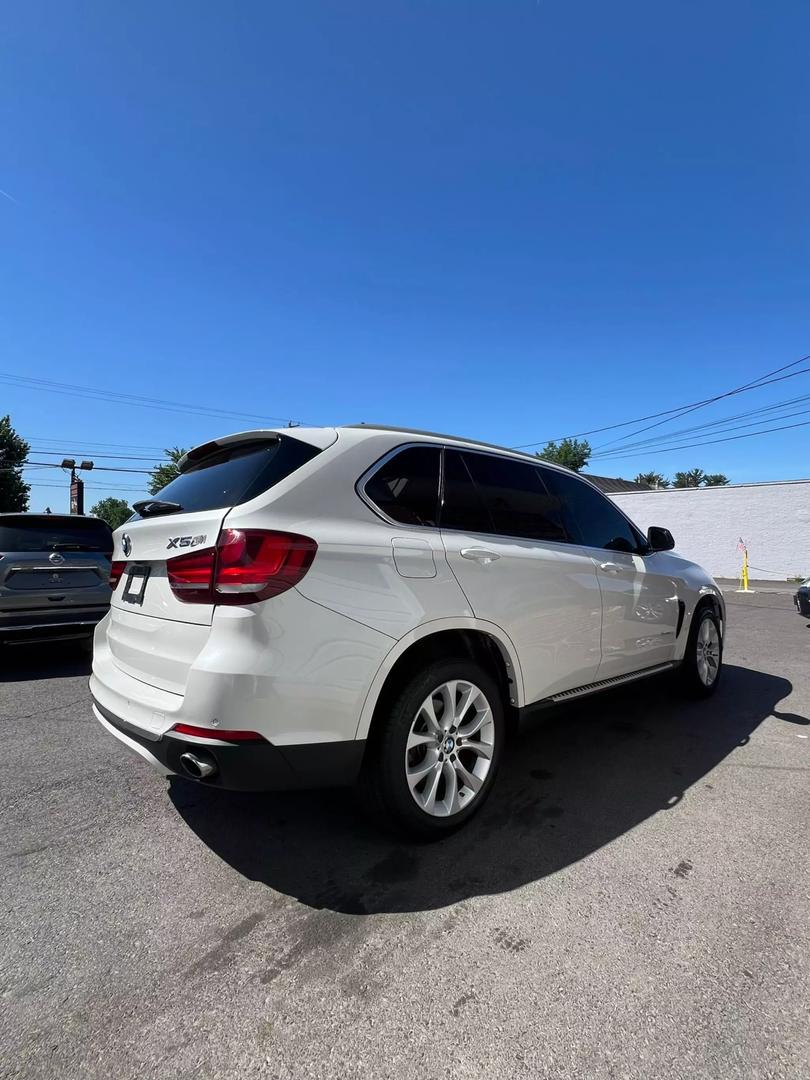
(617, 680)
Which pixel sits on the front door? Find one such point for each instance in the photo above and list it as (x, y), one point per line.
(511, 555)
(639, 598)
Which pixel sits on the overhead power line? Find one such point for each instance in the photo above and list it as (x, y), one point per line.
(94, 454)
(110, 396)
(719, 427)
(55, 465)
(55, 440)
(764, 380)
(51, 439)
(621, 451)
(708, 442)
(96, 487)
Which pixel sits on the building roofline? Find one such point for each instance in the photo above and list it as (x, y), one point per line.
(711, 487)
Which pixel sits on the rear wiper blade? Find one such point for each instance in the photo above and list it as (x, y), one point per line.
(153, 507)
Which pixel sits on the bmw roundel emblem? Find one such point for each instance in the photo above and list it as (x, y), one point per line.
(126, 544)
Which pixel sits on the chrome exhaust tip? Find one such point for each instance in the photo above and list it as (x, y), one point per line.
(198, 767)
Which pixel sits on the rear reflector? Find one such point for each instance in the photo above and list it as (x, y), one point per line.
(246, 566)
(116, 570)
(223, 734)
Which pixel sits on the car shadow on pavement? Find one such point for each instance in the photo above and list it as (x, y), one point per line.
(45, 660)
(575, 779)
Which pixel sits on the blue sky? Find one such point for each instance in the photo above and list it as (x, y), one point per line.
(512, 220)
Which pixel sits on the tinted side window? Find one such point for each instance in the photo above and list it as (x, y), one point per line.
(406, 487)
(516, 498)
(463, 507)
(590, 516)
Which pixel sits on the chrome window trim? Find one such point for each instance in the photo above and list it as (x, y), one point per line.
(360, 488)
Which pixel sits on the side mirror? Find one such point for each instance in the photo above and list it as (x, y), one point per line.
(660, 539)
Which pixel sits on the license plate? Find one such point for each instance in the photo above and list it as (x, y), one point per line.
(136, 584)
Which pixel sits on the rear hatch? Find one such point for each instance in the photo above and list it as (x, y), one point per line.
(54, 562)
(154, 635)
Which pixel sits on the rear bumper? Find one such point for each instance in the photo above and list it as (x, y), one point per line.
(293, 671)
(46, 624)
(255, 766)
(802, 602)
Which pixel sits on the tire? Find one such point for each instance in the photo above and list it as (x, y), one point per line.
(434, 787)
(698, 675)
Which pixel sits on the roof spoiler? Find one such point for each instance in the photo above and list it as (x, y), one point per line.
(199, 453)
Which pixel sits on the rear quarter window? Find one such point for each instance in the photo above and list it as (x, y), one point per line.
(406, 487)
(236, 474)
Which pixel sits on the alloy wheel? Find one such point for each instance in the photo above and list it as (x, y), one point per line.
(708, 652)
(449, 749)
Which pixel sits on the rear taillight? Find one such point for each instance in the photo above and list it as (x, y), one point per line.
(116, 570)
(191, 576)
(253, 564)
(246, 566)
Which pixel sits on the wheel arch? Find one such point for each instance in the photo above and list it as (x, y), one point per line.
(482, 641)
(709, 598)
(706, 598)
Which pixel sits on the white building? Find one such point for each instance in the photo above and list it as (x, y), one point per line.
(707, 523)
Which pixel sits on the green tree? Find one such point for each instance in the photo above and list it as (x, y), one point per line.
(715, 479)
(14, 491)
(652, 479)
(114, 511)
(164, 474)
(692, 478)
(572, 453)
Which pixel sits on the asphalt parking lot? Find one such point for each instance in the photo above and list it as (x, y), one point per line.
(632, 902)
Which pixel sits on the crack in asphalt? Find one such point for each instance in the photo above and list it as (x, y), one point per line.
(42, 712)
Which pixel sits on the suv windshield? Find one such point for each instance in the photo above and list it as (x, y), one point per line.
(55, 534)
(234, 474)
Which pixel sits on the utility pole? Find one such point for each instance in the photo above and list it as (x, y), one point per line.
(76, 484)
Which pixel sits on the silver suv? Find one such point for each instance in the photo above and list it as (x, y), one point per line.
(54, 576)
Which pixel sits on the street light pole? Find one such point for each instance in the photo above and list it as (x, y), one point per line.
(76, 484)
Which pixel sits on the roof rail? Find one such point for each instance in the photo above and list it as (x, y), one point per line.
(443, 435)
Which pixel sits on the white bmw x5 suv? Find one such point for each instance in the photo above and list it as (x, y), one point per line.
(324, 606)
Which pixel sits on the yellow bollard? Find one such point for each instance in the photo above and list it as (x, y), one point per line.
(741, 546)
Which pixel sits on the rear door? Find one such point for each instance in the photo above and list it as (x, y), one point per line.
(152, 634)
(513, 558)
(53, 562)
(639, 596)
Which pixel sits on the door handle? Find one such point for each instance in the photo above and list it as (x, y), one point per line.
(479, 555)
(611, 567)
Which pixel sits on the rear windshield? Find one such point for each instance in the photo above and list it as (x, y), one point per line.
(236, 474)
(39, 534)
